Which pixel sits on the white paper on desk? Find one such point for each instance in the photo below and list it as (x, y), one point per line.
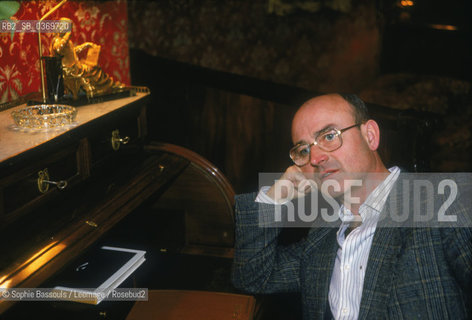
(121, 262)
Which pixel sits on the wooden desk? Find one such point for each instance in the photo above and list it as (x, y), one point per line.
(193, 305)
(17, 142)
(44, 231)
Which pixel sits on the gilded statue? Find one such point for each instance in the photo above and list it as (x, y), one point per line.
(85, 73)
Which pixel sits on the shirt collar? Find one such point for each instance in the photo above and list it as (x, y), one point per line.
(375, 201)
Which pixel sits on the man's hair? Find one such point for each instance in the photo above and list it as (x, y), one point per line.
(361, 114)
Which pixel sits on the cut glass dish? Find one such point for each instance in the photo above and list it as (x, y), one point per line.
(44, 116)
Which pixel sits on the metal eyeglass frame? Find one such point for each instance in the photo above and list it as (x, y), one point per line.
(338, 133)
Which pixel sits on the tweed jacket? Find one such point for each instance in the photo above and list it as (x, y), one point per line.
(412, 273)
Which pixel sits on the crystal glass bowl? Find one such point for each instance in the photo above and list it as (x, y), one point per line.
(44, 116)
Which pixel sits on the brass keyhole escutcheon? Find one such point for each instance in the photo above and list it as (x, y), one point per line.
(44, 182)
(116, 140)
(43, 176)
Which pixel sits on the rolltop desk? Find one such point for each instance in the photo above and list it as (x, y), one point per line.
(64, 191)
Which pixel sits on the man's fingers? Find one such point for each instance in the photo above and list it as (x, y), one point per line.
(305, 186)
(293, 184)
(302, 182)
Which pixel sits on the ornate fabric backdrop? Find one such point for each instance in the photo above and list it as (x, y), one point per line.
(323, 51)
(102, 22)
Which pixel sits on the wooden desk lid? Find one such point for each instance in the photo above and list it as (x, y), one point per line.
(193, 305)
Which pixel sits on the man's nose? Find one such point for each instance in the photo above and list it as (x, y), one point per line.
(317, 156)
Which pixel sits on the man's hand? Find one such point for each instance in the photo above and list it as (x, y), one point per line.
(293, 184)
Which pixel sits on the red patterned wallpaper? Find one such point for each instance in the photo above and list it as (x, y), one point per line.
(102, 22)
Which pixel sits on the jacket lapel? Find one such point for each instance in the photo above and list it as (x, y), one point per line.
(380, 271)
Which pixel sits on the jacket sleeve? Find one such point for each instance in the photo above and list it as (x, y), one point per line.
(260, 264)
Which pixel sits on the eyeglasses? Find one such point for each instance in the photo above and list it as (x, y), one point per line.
(328, 140)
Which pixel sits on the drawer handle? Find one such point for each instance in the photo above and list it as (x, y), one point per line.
(44, 182)
(116, 140)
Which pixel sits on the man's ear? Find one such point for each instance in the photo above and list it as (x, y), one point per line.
(371, 133)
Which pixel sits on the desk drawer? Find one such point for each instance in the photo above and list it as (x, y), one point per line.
(114, 140)
(26, 189)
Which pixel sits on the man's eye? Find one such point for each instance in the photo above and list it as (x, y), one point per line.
(304, 151)
(329, 137)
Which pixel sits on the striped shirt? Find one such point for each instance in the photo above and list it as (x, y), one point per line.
(347, 280)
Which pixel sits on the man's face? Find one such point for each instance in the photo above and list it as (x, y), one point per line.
(351, 161)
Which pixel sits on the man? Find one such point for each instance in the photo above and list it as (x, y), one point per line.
(357, 270)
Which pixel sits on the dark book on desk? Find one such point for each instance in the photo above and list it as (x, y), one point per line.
(96, 275)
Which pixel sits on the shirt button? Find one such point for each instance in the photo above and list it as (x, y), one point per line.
(346, 267)
(344, 310)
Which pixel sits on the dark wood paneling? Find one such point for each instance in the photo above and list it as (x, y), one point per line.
(242, 124)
